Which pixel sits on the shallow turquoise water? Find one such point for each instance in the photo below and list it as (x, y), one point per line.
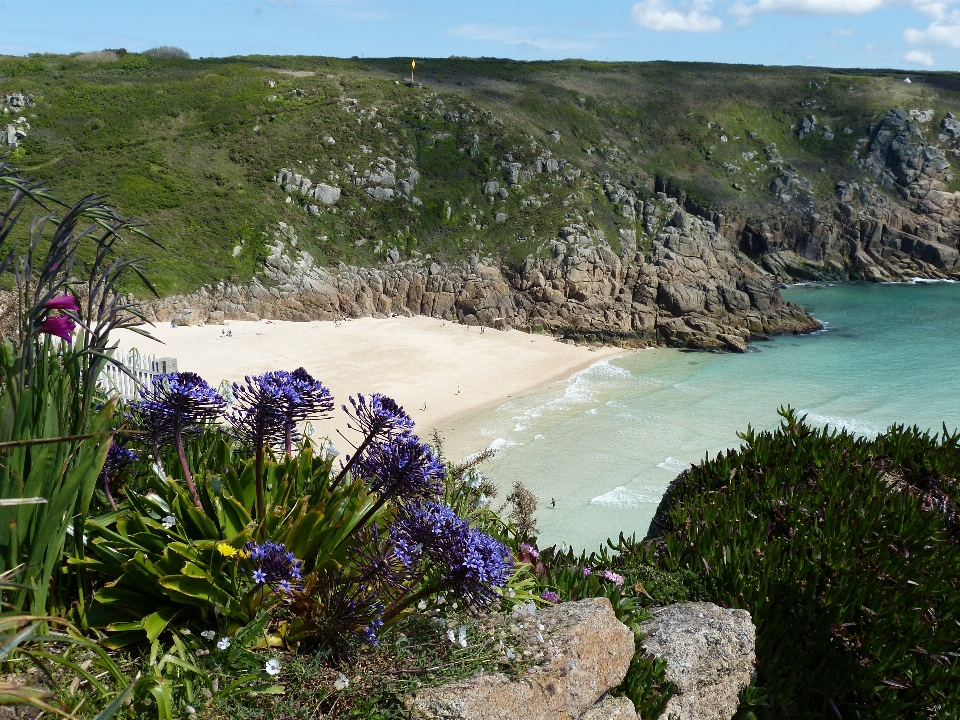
(606, 443)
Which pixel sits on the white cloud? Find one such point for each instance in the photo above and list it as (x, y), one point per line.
(845, 32)
(937, 34)
(810, 58)
(808, 7)
(935, 9)
(919, 57)
(660, 16)
(515, 36)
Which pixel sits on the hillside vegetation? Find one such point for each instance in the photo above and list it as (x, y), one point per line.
(193, 148)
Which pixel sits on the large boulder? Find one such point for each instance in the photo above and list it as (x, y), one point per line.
(710, 655)
(586, 652)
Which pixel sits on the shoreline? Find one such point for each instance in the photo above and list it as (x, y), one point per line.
(441, 372)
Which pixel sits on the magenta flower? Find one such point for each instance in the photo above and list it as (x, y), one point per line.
(62, 302)
(60, 326)
(587, 572)
(551, 596)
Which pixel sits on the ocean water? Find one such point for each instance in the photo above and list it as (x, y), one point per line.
(605, 444)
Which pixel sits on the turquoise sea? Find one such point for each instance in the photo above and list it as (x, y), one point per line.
(606, 443)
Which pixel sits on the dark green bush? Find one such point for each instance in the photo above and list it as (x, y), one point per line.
(845, 551)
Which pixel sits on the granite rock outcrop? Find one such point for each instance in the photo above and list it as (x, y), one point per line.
(694, 289)
(585, 651)
(710, 656)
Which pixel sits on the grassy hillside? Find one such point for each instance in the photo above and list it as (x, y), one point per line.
(192, 146)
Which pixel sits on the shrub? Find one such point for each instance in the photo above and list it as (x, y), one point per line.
(167, 52)
(845, 551)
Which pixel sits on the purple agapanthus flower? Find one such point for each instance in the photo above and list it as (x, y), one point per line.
(274, 567)
(401, 467)
(551, 596)
(270, 406)
(175, 403)
(462, 559)
(118, 458)
(60, 326)
(377, 415)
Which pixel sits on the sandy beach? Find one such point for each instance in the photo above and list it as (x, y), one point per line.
(437, 370)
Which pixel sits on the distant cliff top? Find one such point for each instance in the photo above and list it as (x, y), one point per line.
(491, 157)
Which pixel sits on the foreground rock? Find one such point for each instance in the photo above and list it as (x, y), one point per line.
(710, 657)
(693, 289)
(586, 651)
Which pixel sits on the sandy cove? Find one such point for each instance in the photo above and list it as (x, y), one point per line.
(449, 369)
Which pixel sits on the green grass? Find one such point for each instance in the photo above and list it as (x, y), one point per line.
(190, 146)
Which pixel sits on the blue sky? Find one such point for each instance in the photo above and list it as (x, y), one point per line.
(835, 33)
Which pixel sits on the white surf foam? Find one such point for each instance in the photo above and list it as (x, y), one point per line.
(674, 465)
(852, 425)
(621, 497)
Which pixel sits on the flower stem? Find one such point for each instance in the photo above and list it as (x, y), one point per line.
(288, 444)
(258, 482)
(352, 460)
(188, 476)
(106, 489)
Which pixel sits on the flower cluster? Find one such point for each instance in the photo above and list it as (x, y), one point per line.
(377, 416)
(176, 402)
(401, 467)
(272, 566)
(118, 457)
(466, 561)
(613, 577)
(60, 326)
(270, 406)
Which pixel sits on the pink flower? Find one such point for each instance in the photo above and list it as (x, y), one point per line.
(532, 551)
(60, 326)
(587, 572)
(551, 596)
(62, 302)
(613, 577)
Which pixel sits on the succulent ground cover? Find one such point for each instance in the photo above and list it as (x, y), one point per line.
(845, 551)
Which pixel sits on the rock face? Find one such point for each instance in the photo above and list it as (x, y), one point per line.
(869, 236)
(710, 657)
(586, 652)
(693, 290)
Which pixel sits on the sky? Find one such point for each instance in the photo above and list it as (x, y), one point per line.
(907, 34)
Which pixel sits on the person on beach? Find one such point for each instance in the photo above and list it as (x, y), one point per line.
(553, 503)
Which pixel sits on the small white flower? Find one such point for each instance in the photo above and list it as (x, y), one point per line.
(422, 605)
(451, 636)
(441, 600)
(272, 667)
(341, 682)
(208, 635)
(454, 606)
(510, 654)
(540, 637)
(190, 709)
(462, 639)
(168, 521)
(511, 593)
(223, 643)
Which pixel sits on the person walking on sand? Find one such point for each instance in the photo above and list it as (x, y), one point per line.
(458, 389)
(553, 503)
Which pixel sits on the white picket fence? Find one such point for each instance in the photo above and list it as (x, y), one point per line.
(143, 368)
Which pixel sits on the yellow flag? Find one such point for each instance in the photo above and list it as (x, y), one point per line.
(413, 63)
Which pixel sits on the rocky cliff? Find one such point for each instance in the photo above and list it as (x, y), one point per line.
(693, 289)
(869, 235)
